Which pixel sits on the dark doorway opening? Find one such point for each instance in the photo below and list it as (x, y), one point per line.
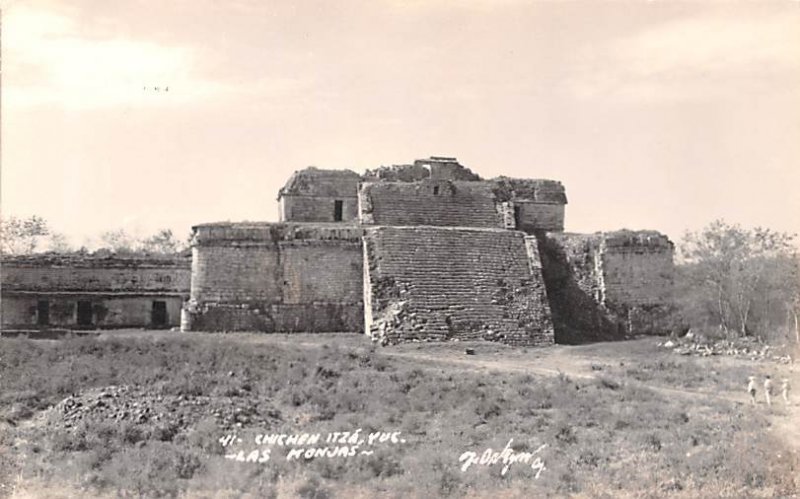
(158, 316)
(435, 190)
(84, 313)
(517, 218)
(43, 313)
(337, 210)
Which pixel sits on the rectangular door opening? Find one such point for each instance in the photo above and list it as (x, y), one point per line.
(158, 316)
(85, 313)
(43, 313)
(337, 210)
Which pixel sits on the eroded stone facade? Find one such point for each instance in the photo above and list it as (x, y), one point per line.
(276, 277)
(65, 291)
(427, 251)
(317, 195)
(433, 283)
(609, 285)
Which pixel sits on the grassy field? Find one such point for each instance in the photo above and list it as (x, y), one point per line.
(147, 414)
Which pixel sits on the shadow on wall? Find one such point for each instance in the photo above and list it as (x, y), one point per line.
(577, 317)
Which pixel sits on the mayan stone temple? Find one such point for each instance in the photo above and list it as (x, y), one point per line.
(427, 252)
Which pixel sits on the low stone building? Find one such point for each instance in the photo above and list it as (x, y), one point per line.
(84, 292)
(427, 251)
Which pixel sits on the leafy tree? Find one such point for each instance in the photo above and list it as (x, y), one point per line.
(20, 236)
(118, 241)
(163, 242)
(58, 243)
(744, 280)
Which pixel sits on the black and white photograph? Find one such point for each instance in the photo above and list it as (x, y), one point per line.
(314, 249)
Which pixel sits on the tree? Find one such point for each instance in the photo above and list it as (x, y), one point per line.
(163, 242)
(745, 280)
(58, 243)
(20, 236)
(118, 241)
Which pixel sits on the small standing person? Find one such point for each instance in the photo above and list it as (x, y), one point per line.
(751, 389)
(768, 389)
(785, 390)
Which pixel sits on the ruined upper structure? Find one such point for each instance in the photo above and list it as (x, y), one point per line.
(315, 195)
(433, 168)
(427, 251)
(76, 291)
(437, 191)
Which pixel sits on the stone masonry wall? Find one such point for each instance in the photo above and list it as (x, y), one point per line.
(638, 268)
(539, 216)
(50, 273)
(316, 209)
(276, 277)
(119, 291)
(429, 202)
(436, 284)
(20, 311)
(608, 285)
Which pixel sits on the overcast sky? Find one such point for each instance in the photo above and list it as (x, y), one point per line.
(657, 115)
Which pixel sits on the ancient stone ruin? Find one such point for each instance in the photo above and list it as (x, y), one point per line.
(606, 285)
(284, 276)
(427, 251)
(423, 252)
(85, 292)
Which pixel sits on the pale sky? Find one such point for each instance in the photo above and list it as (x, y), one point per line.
(655, 115)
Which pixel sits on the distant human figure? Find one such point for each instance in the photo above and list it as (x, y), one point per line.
(785, 390)
(751, 389)
(768, 389)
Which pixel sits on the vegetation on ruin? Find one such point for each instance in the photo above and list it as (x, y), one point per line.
(623, 420)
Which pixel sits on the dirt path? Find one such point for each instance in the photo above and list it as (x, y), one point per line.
(786, 424)
(552, 361)
(556, 365)
(575, 363)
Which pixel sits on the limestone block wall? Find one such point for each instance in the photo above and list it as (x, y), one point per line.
(538, 203)
(316, 208)
(41, 291)
(533, 216)
(429, 202)
(93, 274)
(318, 182)
(638, 268)
(437, 283)
(21, 310)
(276, 277)
(608, 285)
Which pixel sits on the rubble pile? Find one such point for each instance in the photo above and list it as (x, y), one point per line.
(128, 404)
(748, 348)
